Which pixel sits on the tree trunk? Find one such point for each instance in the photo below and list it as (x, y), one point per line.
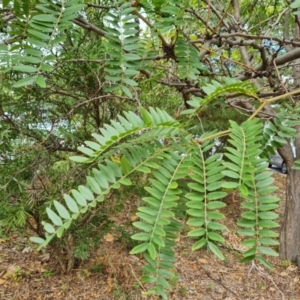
(289, 247)
(290, 230)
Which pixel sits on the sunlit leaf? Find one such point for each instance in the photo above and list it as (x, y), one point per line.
(62, 210)
(54, 217)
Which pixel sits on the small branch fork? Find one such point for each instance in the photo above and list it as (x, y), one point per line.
(258, 110)
(254, 267)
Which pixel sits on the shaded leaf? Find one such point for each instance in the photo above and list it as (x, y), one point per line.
(267, 251)
(215, 250)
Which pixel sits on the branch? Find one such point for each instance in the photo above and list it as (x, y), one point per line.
(218, 40)
(101, 6)
(215, 11)
(288, 57)
(96, 98)
(8, 17)
(218, 281)
(277, 20)
(136, 13)
(285, 58)
(192, 11)
(258, 37)
(269, 101)
(243, 49)
(176, 83)
(286, 31)
(86, 60)
(222, 18)
(205, 49)
(17, 129)
(226, 58)
(86, 25)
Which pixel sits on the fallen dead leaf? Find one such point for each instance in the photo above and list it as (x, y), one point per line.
(109, 238)
(27, 250)
(133, 218)
(2, 281)
(292, 268)
(223, 271)
(202, 261)
(83, 274)
(45, 257)
(12, 269)
(14, 236)
(110, 284)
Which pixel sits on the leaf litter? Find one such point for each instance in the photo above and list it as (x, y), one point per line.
(111, 273)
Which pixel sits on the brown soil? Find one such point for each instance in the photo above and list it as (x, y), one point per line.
(111, 273)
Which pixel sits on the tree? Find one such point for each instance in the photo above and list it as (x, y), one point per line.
(125, 48)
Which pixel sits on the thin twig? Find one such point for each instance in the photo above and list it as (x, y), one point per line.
(136, 13)
(269, 101)
(219, 282)
(100, 6)
(93, 99)
(200, 121)
(222, 18)
(224, 57)
(139, 282)
(281, 81)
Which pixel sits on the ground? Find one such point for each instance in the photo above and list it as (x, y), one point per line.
(111, 273)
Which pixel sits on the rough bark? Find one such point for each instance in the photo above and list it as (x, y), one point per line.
(290, 230)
